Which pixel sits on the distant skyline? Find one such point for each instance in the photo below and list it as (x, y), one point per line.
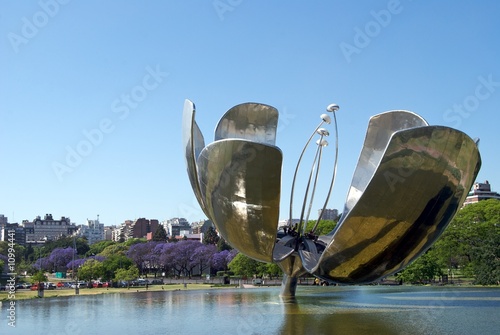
(92, 92)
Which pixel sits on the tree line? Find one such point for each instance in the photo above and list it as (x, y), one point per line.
(469, 246)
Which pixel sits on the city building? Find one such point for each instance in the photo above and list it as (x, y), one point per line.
(120, 234)
(137, 229)
(481, 191)
(201, 227)
(40, 230)
(329, 214)
(93, 231)
(176, 225)
(11, 230)
(190, 237)
(109, 232)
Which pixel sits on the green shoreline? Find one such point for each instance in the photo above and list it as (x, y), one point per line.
(67, 292)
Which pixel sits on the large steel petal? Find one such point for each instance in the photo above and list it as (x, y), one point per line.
(240, 183)
(380, 129)
(251, 121)
(192, 142)
(421, 182)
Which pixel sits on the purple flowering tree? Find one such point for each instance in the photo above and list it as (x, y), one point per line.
(43, 264)
(202, 255)
(183, 262)
(221, 259)
(75, 264)
(167, 252)
(155, 257)
(60, 257)
(142, 255)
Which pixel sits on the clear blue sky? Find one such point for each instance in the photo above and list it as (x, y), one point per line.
(66, 69)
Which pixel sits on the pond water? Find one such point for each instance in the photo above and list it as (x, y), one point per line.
(316, 310)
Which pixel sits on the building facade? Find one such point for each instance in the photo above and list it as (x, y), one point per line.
(93, 231)
(40, 230)
(135, 229)
(176, 225)
(12, 230)
(329, 214)
(481, 191)
(201, 227)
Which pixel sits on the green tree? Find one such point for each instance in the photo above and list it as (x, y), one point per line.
(29, 253)
(242, 265)
(114, 249)
(112, 264)
(471, 242)
(91, 270)
(127, 275)
(245, 266)
(211, 236)
(19, 251)
(273, 270)
(223, 245)
(160, 234)
(39, 277)
(423, 269)
(132, 241)
(323, 228)
(98, 247)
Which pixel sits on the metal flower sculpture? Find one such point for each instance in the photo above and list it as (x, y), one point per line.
(410, 180)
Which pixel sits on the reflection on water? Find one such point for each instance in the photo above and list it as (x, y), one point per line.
(316, 310)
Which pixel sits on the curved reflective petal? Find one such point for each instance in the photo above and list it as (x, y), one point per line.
(240, 183)
(380, 129)
(421, 182)
(251, 121)
(192, 142)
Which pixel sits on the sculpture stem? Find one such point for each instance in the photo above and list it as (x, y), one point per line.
(288, 286)
(334, 173)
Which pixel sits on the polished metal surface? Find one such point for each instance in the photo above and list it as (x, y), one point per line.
(192, 143)
(380, 129)
(228, 180)
(422, 180)
(251, 121)
(410, 181)
(240, 184)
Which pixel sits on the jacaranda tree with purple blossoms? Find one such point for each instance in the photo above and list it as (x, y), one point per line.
(43, 264)
(60, 257)
(202, 255)
(184, 262)
(140, 254)
(220, 260)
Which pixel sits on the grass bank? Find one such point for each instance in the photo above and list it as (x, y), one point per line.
(66, 292)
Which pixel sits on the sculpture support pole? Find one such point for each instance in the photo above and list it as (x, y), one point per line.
(288, 286)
